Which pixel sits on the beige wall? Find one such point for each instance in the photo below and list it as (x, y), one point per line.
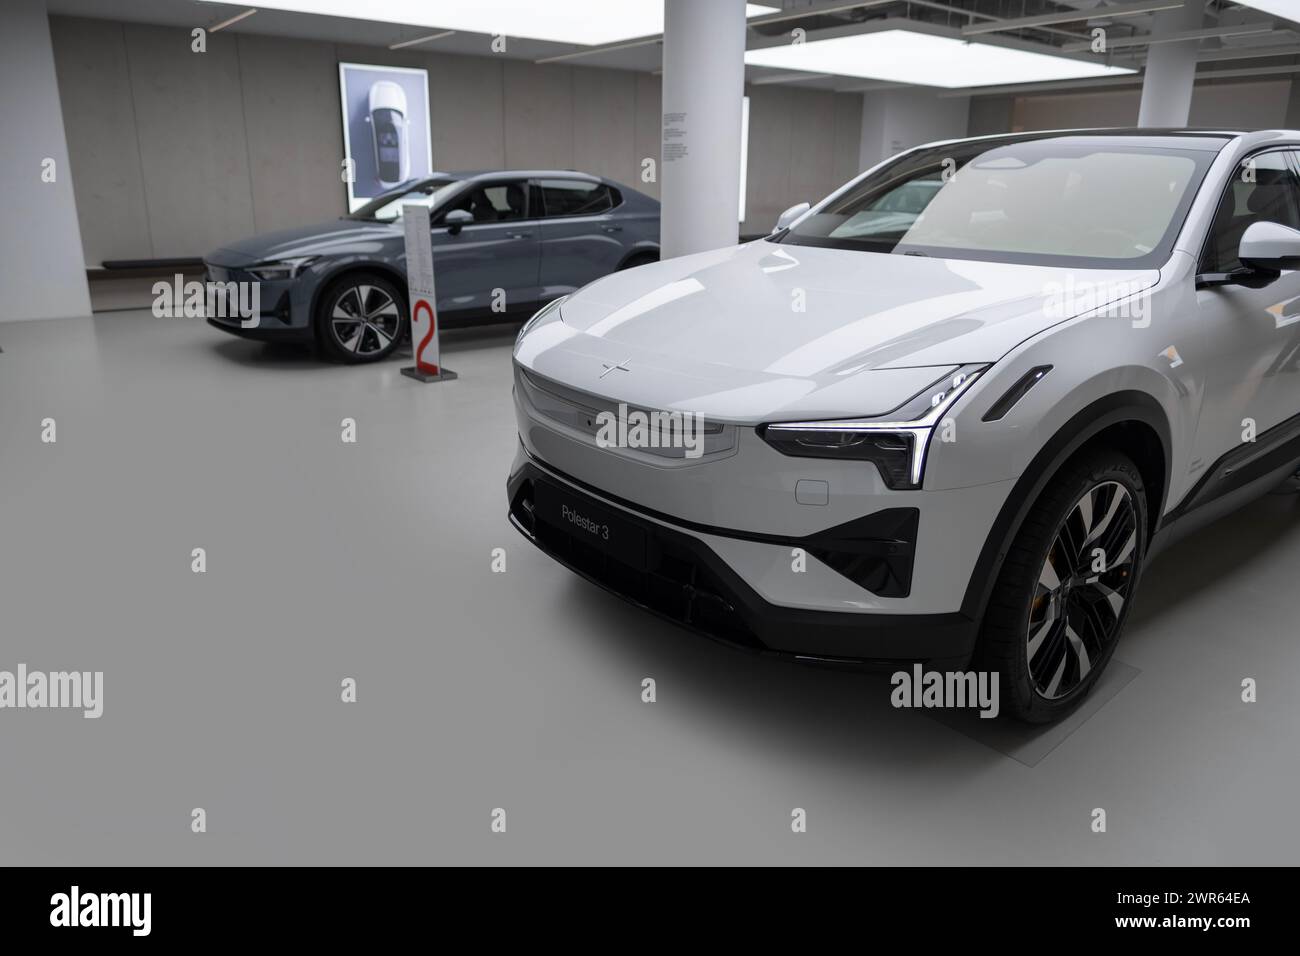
(1227, 105)
(176, 152)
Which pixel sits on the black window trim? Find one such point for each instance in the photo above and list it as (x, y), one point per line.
(1289, 159)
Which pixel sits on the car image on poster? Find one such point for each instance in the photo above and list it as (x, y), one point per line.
(387, 118)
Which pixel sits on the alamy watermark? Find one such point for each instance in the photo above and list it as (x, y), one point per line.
(208, 300)
(75, 690)
(634, 428)
(1127, 299)
(958, 690)
(127, 910)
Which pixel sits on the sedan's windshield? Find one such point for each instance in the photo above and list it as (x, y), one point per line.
(1050, 201)
(388, 207)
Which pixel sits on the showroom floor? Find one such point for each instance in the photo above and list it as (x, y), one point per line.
(521, 690)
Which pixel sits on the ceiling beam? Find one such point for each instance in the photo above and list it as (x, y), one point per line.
(1104, 81)
(1241, 29)
(1071, 16)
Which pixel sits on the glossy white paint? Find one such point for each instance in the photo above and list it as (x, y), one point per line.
(722, 333)
(767, 332)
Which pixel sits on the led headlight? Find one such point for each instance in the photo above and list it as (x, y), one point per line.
(281, 268)
(896, 446)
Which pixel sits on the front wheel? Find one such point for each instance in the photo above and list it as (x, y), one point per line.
(1066, 586)
(361, 318)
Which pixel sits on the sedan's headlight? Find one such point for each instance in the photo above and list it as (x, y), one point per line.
(896, 446)
(540, 316)
(281, 268)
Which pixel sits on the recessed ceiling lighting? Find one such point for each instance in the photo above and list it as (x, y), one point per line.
(560, 21)
(1286, 9)
(923, 59)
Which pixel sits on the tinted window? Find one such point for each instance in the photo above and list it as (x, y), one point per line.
(565, 197)
(388, 207)
(496, 202)
(1089, 204)
(1263, 190)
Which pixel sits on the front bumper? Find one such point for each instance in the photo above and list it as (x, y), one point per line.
(684, 580)
(282, 315)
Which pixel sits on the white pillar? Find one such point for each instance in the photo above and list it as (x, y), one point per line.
(1170, 69)
(703, 89)
(42, 266)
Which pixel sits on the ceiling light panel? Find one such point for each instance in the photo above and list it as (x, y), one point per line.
(587, 22)
(923, 59)
(1282, 9)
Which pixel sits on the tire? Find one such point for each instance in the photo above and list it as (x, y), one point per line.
(360, 318)
(638, 259)
(1049, 644)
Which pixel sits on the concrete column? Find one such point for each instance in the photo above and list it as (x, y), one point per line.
(42, 266)
(1171, 68)
(703, 89)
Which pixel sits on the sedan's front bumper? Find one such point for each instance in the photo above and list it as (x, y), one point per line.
(677, 575)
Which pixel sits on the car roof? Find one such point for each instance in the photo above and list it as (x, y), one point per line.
(519, 174)
(1208, 139)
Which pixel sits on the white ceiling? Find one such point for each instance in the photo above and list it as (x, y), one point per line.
(646, 58)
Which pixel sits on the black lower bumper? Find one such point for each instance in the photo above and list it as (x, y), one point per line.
(683, 580)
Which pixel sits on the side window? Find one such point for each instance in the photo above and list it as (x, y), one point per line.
(495, 202)
(1263, 190)
(568, 197)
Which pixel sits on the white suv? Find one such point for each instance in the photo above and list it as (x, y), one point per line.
(948, 413)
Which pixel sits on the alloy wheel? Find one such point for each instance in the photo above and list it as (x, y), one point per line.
(365, 320)
(1079, 599)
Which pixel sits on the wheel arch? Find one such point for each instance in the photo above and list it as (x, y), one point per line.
(350, 268)
(647, 253)
(1132, 421)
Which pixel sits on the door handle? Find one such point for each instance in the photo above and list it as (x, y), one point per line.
(519, 235)
(612, 228)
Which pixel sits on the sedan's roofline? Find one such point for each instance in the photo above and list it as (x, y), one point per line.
(470, 174)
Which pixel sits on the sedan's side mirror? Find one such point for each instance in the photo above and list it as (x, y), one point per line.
(786, 218)
(456, 220)
(1269, 247)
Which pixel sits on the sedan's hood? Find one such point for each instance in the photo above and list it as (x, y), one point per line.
(762, 331)
(320, 239)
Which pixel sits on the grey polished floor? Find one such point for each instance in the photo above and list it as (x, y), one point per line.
(521, 690)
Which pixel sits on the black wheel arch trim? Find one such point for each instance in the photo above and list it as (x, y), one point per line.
(1114, 409)
(647, 252)
(1274, 448)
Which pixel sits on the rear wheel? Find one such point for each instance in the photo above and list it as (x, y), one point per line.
(361, 318)
(1066, 586)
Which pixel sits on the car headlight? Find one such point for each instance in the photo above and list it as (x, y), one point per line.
(281, 268)
(540, 316)
(897, 446)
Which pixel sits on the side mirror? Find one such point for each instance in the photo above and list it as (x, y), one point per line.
(784, 220)
(456, 220)
(1270, 247)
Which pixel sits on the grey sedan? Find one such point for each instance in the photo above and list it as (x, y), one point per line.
(504, 243)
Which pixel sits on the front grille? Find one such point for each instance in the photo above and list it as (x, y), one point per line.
(675, 583)
(580, 411)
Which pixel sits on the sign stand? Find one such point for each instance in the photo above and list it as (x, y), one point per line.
(419, 287)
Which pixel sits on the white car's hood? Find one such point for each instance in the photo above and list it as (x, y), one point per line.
(769, 331)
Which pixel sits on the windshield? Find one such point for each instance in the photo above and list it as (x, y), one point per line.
(1047, 202)
(388, 207)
